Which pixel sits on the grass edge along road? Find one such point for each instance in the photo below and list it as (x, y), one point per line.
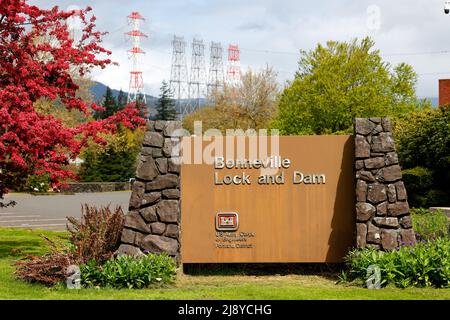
(16, 243)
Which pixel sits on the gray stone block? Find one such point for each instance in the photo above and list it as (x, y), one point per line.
(171, 194)
(160, 244)
(376, 193)
(153, 139)
(147, 169)
(161, 163)
(168, 211)
(362, 147)
(364, 126)
(172, 231)
(398, 209)
(386, 222)
(149, 214)
(168, 181)
(364, 211)
(384, 142)
(133, 220)
(158, 228)
(129, 250)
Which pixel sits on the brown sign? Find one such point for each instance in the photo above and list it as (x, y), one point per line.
(301, 210)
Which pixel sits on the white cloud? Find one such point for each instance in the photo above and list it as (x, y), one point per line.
(259, 26)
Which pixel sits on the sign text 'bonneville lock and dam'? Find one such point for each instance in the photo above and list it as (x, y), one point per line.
(227, 223)
(274, 162)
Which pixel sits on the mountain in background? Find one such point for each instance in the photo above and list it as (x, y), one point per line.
(99, 89)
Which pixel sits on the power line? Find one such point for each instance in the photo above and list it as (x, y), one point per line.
(383, 54)
(271, 51)
(433, 73)
(416, 53)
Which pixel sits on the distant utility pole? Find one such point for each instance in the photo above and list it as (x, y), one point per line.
(179, 75)
(234, 65)
(216, 77)
(136, 90)
(197, 80)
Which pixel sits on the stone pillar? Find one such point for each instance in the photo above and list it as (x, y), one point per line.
(153, 221)
(382, 210)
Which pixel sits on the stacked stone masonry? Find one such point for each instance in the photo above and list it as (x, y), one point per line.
(153, 221)
(382, 210)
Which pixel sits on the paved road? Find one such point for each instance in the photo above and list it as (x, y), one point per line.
(50, 212)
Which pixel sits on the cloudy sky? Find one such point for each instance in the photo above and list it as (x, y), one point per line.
(273, 31)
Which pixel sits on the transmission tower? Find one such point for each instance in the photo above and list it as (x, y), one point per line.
(215, 79)
(136, 90)
(197, 80)
(234, 65)
(179, 75)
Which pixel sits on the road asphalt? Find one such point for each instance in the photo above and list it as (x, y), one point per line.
(50, 212)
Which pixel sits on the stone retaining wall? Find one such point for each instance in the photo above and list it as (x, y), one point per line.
(382, 210)
(153, 221)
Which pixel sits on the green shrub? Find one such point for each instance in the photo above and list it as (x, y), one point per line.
(130, 272)
(418, 181)
(426, 264)
(430, 225)
(38, 183)
(423, 140)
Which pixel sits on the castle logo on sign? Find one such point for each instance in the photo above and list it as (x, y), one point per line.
(227, 221)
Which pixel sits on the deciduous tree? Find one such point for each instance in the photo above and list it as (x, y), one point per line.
(340, 81)
(249, 105)
(32, 142)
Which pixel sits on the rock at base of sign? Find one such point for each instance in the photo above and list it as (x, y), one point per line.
(160, 244)
(129, 250)
(389, 239)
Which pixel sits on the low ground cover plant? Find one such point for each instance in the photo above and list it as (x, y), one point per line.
(130, 272)
(423, 264)
(430, 225)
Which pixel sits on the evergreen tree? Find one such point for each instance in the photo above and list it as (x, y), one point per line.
(109, 103)
(165, 106)
(142, 107)
(121, 100)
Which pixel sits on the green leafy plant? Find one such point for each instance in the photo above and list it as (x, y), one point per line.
(339, 81)
(426, 264)
(430, 225)
(423, 143)
(38, 183)
(130, 272)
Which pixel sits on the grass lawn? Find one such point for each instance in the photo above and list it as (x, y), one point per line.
(15, 243)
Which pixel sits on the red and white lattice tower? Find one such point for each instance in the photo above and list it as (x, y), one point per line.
(136, 90)
(234, 65)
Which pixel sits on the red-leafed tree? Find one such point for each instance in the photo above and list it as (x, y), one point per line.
(31, 69)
